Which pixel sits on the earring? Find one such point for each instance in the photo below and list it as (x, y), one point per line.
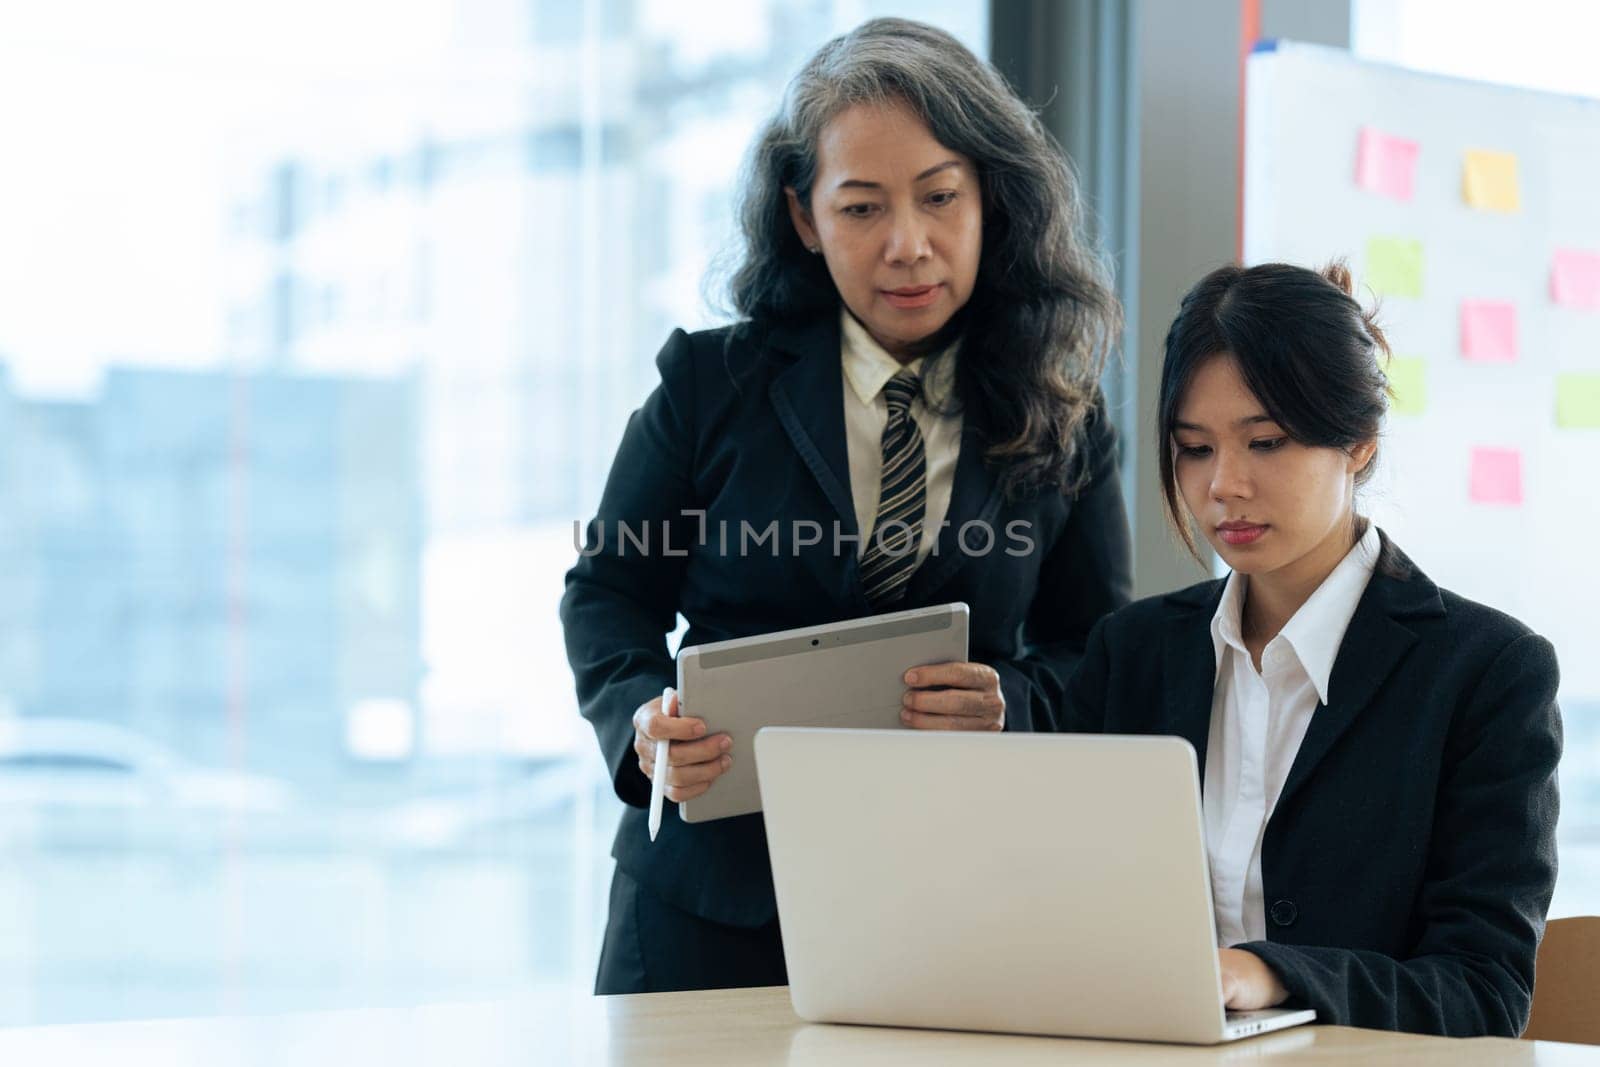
(813, 249)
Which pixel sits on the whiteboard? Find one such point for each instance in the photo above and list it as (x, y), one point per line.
(1306, 109)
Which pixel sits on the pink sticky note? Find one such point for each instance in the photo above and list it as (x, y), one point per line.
(1496, 476)
(1489, 331)
(1385, 164)
(1575, 278)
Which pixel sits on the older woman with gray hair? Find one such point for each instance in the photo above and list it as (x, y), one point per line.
(905, 413)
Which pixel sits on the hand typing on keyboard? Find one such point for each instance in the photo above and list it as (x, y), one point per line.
(1248, 984)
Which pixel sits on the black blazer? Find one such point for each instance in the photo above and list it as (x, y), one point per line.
(1408, 865)
(756, 432)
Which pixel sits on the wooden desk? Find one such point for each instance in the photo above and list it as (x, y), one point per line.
(744, 1026)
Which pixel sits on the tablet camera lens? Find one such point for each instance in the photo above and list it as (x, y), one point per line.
(815, 642)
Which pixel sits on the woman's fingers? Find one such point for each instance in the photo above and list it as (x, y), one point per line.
(704, 753)
(678, 794)
(690, 774)
(919, 721)
(954, 675)
(972, 701)
(686, 752)
(649, 721)
(681, 752)
(694, 760)
(699, 773)
(1248, 983)
(954, 702)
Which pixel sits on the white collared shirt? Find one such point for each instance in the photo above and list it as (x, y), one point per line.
(867, 368)
(1257, 724)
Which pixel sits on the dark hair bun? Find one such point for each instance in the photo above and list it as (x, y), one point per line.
(1338, 272)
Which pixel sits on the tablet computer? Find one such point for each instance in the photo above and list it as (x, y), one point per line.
(844, 675)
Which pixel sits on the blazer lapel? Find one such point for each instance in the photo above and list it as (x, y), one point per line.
(1189, 668)
(974, 496)
(809, 399)
(1374, 644)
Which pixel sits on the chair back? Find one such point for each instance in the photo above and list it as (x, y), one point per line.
(1566, 989)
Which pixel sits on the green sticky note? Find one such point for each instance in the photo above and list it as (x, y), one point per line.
(1394, 266)
(1408, 382)
(1578, 401)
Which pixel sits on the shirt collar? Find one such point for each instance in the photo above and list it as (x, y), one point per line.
(1316, 631)
(1226, 625)
(867, 367)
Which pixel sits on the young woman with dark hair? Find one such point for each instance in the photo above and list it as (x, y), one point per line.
(908, 404)
(1378, 755)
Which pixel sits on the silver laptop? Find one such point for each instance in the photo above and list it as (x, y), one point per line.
(1036, 884)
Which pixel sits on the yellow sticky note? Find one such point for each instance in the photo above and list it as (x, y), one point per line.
(1489, 181)
(1394, 266)
(1408, 383)
(1578, 401)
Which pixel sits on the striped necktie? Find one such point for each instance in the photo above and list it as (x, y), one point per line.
(891, 553)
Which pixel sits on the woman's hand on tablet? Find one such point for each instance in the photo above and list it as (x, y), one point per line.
(695, 760)
(1248, 984)
(953, 696)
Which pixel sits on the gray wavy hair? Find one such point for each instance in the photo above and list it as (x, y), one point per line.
(1042, 316)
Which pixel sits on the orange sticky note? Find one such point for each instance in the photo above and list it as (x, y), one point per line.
(1575, 278)
(1489, 181)
(1385, 164)
(1489, 331)
(1496, 476)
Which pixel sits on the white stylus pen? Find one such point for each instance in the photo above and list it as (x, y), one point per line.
(658, 780)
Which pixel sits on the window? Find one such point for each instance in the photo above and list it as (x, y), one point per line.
(323, 321)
